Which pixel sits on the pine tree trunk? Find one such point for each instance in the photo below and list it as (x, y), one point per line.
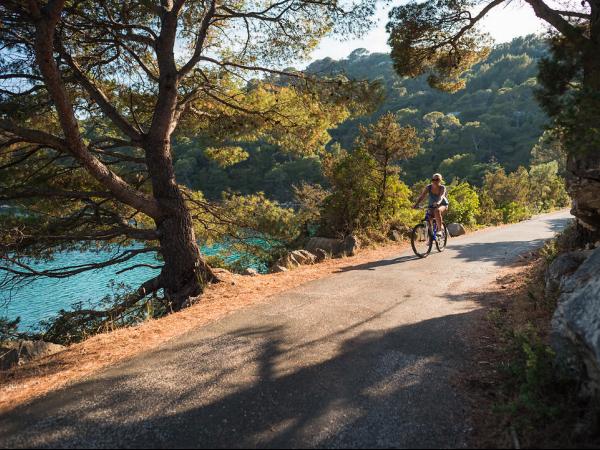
(185, 272)
(583, 163)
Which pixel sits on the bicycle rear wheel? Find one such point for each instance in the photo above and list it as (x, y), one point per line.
(421, 240)
(441, 241)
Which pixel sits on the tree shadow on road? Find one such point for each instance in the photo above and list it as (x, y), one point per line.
(255, 387)
(382, 263)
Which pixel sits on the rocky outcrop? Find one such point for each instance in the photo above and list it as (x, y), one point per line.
(560, 269)
(15, 353)
(456, 229)
(576, 322)
(348, 247)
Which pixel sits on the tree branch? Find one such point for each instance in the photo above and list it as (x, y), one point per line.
(100, 98)
(554, 18)
(200, 40)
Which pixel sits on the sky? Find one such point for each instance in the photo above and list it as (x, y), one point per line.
(504, 23)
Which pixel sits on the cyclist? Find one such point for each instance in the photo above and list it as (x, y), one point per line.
(438, 203)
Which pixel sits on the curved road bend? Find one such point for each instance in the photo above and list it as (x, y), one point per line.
(363, 358)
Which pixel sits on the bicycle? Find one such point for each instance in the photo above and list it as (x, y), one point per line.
(423, 236)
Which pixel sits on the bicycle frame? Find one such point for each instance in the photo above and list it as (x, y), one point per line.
(427, 220)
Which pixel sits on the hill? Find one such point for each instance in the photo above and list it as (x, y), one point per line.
(494, 121)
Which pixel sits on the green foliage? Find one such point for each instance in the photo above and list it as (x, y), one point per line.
(509, 194)
(226, 156)
(543, 394)
(419, 47)
(258, 215)
(495, 117)
(354, 180)
(514, 212)
(464, 202)
(310, 198)
(356, 191)
(547, 187)
(550, 148)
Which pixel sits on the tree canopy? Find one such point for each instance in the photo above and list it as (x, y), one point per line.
(93, 93)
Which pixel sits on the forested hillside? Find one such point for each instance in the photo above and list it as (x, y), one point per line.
(495, 121)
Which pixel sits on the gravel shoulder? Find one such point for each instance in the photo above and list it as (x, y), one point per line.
(362, 358)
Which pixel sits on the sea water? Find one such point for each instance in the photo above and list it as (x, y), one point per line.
(42, 298)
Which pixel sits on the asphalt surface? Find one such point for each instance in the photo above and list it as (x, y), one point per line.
(364, 358)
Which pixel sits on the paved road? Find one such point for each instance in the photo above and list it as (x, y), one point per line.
(364, 358)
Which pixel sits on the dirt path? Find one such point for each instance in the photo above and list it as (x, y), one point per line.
(364, 358)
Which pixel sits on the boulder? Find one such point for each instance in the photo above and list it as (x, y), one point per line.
(395, 235)
(334, 247)
(576, 324)
(250, 272)
(563, 266)
(303, 257)
(14, 353)
(351, 245)
(221, 271)
(287, 261)
(277, 269)
(331, 246)
(321, 255)
(296, 258)
(456, 229)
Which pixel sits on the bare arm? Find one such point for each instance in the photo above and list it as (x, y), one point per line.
(421, 197)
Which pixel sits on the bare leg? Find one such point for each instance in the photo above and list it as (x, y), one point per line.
(439, 214)
(438, 218)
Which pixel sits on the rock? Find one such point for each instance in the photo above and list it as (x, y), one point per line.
(403, 231)
(221, 271)
(562, 266)
(321, 255)
(331, 246)
(303, 257)
(575, 333)
(296, 258)
(250, 272)
(395, 235)
(287, 261)
(456, 229)
(278, 269)
(20, 352)
(351, 245)
(9, 357)
(334, 247)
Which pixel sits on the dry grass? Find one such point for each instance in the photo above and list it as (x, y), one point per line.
(513, 305)
(27, 382)
(505, 298)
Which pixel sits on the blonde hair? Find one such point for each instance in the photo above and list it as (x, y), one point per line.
(438, 175)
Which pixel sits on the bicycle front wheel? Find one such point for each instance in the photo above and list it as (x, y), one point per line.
(421, 241)
(442, 239)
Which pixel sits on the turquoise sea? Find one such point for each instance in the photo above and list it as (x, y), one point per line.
(43, 298)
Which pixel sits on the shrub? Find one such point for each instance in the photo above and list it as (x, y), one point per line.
(515, 212)
(356, 183)
(464, 203)
(547, 189)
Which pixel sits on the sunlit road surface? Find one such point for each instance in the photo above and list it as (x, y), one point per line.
(364, 358)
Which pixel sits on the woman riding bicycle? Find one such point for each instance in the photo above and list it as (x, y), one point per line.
(438, 203)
